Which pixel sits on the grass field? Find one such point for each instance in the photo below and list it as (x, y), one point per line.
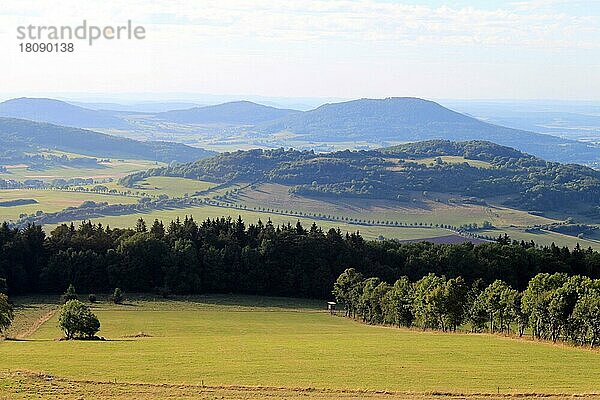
(218, 341)
(52, 201)
(173, 187)
(453, 160)
(111, 169)
(422, 209)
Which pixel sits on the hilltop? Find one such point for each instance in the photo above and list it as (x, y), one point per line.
(407, 119)
(236, 112)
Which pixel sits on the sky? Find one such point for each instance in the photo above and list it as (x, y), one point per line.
(437, 49)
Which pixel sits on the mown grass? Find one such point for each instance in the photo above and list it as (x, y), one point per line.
(249, 341)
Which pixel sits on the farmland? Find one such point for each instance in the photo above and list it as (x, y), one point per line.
(107, 169)
(219, 341)
(276, 202)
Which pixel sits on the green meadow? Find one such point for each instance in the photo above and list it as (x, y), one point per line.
(219, 341)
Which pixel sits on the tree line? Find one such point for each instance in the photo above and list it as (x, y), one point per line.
(552, 306)
(226, 255)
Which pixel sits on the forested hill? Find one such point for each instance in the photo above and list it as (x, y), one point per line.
(473, 169)
(236, 112)
(404, 119)
(18, 135)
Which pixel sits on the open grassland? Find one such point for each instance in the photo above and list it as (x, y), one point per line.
(285, 347)
(425, 210)
(452, 160)
(109, 169)
(172, 187)
(51, 201)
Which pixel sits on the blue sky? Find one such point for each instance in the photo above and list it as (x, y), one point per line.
(527, 49)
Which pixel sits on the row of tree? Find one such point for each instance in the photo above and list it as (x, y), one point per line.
(552, 306)
(225, 255)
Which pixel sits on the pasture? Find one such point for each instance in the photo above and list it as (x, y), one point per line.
(108, 169)
(172, 187)
(51, 201)
(211, 344)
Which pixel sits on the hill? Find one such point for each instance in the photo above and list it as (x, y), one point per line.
(413, 119)
(59, 113)
(18, 135)
(519, 179)
(236, 112)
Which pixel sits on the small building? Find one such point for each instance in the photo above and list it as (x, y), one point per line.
(331, 307)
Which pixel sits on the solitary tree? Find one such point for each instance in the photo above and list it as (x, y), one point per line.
(77, 320)
(6, 313)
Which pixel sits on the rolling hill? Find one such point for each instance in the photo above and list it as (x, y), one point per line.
(18, 135)
(413, 119)
(237, 113)
(59, 113)
(475, 169)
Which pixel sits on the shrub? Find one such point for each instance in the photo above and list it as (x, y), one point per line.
(6, 313)
(92, 298)
(70, 294)
(3, 286)
(117, 296)
(77, 320)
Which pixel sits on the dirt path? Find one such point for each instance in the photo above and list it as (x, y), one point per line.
(36, 324)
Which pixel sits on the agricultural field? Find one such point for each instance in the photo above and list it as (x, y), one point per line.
(109, 169)
(420, 209)
(50, 201)
(251, 347)
(172, 187)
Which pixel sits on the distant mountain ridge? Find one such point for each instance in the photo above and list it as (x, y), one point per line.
(59, 113)
(375, 121)
(18, 135)
(236, 112)
(407, 119)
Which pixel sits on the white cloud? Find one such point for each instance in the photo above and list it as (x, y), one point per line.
(330, 47)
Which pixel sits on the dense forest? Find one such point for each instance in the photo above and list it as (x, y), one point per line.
(228, 256)
(553, 306)
(521, 180)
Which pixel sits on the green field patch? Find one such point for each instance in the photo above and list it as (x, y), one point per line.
(112, 168)
(432, 208)
(51, 201)
(452, 160)
(172, 186)
(250, 343)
